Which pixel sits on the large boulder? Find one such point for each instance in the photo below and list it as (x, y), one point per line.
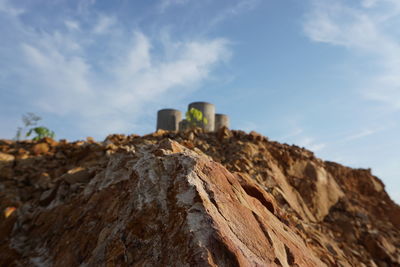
(165, 206)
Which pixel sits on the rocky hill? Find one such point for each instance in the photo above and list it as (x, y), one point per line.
(190, 199)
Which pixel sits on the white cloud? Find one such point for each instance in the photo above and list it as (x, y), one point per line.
(369, 3)
(309, 143)
(5, 7)
(361, 134)
(72, 25)
(84, 6)
(164, 4)
(108, 92)
(300, 138)
(248, 126)
(62, 79)
(370, 29)
(234, 10)
(104, 24)
(295, 132)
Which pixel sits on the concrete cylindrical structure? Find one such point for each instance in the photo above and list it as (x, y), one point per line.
(168, 119)
(183, 125)
(208, 111)
(221, 120)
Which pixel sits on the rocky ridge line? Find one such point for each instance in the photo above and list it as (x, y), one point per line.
(90, 203)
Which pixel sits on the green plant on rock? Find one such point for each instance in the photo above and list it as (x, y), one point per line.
(196, 118)
(30, 120)
(41, 132)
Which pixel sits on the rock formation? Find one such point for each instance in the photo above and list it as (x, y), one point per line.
(190, 199)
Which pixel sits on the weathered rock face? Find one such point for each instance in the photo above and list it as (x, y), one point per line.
(216, 199)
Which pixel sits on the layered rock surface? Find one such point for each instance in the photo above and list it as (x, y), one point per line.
(190, 199)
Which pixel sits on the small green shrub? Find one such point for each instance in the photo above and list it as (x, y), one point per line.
(41, 132)
(195, 118)
(29, 120)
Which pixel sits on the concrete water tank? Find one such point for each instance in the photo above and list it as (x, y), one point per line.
(208, 111)
(183, 125)
(168, 119)
(221, 120)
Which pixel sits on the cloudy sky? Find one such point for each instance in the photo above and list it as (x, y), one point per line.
(323, 74)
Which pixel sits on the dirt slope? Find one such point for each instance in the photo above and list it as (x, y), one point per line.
(190, 199)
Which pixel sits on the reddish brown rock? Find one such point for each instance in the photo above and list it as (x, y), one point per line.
(48, 196)
(223, 133)
(181, 209)
(77, 175)
(254, 136)
(4, 157)
(6, 163)
(40, 148)
(43, 181)
(152, 201)
(90, 139)
(50, 141)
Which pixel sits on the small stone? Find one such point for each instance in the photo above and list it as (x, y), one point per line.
(44, 180)
(112, 147)
(6, 172)
(48, 196)
(60, 155)
(50, 141)
(22, 152)
(191, 136)
(6, 157)
(8, 211)
(168, 144)
(77, 175)
(224, 133)
(90, 140)
(188, 144)
(63, 141)
(6, 142)
(79, 143)
(160, 132)
(40, 148)
(254, 136)
(6, 162)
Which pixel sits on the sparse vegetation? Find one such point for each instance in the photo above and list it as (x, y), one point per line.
(195, 118)
(41, 132)
(30, 120)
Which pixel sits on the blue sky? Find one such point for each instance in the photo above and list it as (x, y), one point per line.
(323, 74)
